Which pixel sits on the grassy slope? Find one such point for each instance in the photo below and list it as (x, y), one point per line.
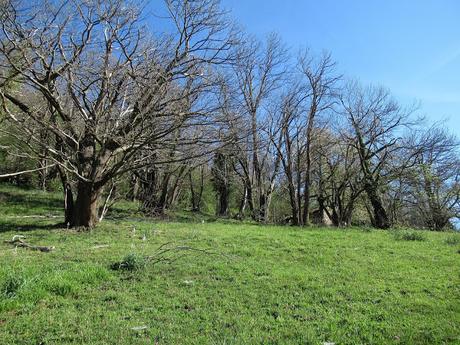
(275, 285)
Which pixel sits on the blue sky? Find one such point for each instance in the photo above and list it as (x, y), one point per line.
(409, 46)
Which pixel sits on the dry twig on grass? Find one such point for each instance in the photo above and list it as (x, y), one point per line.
(168, 253)
(18, 241)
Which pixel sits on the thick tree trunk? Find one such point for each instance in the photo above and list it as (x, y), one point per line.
(380, 216)
(247, 201)
(68, 205)
(85, 213)
(223, 202)
(196, 195)
(163, 200)
(263, 209)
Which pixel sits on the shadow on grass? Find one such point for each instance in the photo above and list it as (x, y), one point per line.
(31, 201)
(24, 210)
(12, 226)
(199, 217)
(116, 213)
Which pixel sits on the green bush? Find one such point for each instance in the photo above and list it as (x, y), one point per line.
(407, 235)
(452, 240)
(131, 262)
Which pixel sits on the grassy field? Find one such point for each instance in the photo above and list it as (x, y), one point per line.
(245, 284)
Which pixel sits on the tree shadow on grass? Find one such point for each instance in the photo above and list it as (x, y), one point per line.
(30, 201)
(117, 213)
(13, 226)
(25, 211)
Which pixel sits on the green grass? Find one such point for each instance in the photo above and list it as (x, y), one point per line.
(254, 285)
(409, 235)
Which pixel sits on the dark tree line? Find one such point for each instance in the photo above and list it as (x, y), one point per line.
(100, 104)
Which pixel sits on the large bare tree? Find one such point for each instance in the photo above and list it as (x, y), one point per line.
(375, 129)
(320, 92)
(108, 89)
(259, 71)
(434, 181)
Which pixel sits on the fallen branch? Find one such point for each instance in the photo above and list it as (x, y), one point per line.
(18, 241)
(168, 253)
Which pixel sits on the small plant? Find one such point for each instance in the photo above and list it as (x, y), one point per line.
(61, 287)
(452, 240)
(11, 286)
(131, 262)
(407, 235)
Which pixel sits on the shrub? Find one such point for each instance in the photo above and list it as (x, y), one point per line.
(452, 240)
(11, 285)
(131, 262)
(407, 235)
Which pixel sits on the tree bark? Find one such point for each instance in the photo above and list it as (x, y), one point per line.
(85, 213)
(68, 205)
(133, 192)
(223, 201)
(243, 203)
(307, 191)
(380, 216)
(193, 199)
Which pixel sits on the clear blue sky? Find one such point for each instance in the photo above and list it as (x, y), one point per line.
(409, 46)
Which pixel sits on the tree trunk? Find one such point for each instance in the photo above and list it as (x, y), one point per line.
(133, 192)
(307, 182)
(243, 204)
(163, 200)
(68, 205)
(380, 216)
(293, 202)
(193, 198)
(263, 208)
(85, 213)
(306, 209)
(247, 201)
(223, 201)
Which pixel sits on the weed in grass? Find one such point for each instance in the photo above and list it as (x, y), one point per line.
(59, 285)
(131, 262)
(409, 235)
(11, 285)
(452, 240)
